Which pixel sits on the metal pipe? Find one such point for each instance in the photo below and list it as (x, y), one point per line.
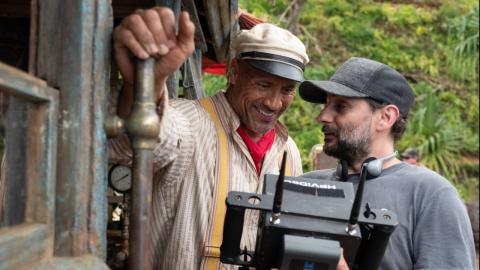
(140, 210)
(142, 125)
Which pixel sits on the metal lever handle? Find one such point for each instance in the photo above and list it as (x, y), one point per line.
(142, 125)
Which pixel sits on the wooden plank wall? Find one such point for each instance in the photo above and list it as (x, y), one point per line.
(74, 56)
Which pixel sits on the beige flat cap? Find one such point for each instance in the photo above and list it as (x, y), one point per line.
(273, 50)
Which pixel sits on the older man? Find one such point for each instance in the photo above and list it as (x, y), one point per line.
(365, 113)
(210, 146)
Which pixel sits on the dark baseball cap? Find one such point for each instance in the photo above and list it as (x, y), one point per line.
(362, 78)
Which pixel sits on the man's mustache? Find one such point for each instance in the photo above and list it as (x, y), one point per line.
(329, 129)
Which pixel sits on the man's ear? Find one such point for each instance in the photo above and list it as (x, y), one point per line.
(388, 116)
(233, 72)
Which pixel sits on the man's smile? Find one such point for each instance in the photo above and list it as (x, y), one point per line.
(265, 115)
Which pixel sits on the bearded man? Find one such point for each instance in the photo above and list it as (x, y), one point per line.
(365, 113)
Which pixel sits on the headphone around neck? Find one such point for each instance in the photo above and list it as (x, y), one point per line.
(374, 167)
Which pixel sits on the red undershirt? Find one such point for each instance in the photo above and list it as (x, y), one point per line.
(258, 149)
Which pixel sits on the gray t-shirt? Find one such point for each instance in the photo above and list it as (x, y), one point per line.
(434, 230)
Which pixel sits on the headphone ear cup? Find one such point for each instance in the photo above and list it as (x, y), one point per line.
(342, 170)
(374, 168)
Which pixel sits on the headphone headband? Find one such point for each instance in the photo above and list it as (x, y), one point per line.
(374, 167)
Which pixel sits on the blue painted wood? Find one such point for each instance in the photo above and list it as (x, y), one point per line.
(200, 42)
(214, 16)
(14, 202)
(31, 156)
(20, 84)
(23, 245)
(74, 57)
(101, 72)
(192, 76)
(85, 262)
(41, 161)
(33, 126)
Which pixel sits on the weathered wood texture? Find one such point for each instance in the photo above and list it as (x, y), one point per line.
(21, 8)
(20, 84)
(31, 161)
(85, 262)
(16, 149)
(23, 245)
(74, 56)
(192, 76)
(217, 18)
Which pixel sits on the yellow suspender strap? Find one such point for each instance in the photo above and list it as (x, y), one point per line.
(288, 164)
(288, 168)
(211, 259)
(214, 237)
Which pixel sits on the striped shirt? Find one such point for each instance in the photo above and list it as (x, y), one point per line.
(184, 173)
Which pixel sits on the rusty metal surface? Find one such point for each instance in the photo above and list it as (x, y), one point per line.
(74, 56)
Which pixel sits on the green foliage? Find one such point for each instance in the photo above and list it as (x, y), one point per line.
(464, 35)
(433, 43)
(436, 134)
(300, 119)
(214, 83)
(264, 9)
(468, 189)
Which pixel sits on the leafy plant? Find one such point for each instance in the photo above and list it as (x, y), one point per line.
(439, 139)
(464, 36)
(213, 83)
(433, 43)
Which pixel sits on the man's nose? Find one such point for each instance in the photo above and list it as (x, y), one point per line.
(274, 101)
(324, 117)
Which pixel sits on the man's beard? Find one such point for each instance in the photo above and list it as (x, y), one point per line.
(353, 142)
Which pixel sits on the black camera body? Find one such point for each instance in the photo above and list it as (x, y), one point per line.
(310, 228)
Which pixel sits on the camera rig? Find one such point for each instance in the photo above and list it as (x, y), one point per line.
(303, 222)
